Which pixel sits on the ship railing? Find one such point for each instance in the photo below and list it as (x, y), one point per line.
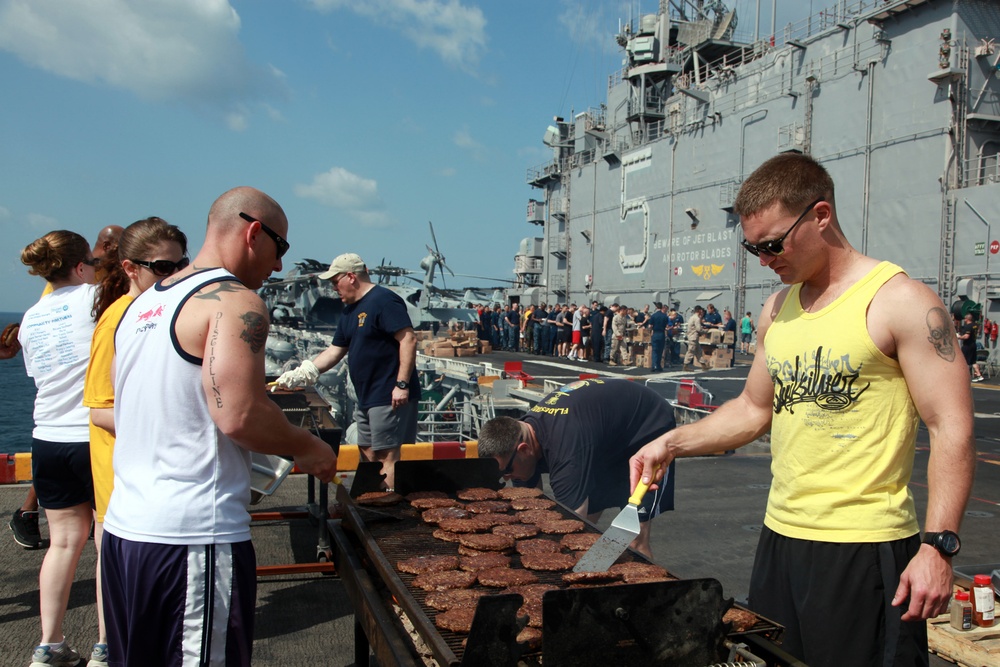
(982, 170)
(451, 423)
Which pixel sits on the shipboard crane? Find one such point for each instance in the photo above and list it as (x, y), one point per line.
(429, 264)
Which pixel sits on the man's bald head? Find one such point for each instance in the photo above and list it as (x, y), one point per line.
(106, 239)
(225, 212)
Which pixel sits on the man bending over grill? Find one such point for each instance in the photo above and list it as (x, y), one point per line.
(177, 564)
(850, 357)
(376, 329)
(583, 435)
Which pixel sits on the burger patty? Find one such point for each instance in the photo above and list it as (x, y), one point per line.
(501, 519)
(458, 619)
(537, 516)
(422, 564)
(579, 541)
(484, 506)
(522, 504)
(483, 561)
(517, 530)
(561, 526)
(421, 495)
(597, 578)
(487, 542)
(741, 619)
(504, 577)
(537, 546)
(430, 503)
(438, 514)
(478, 493)
(511, 492)
(491, 520)
(635, 572)
(379, 498)
(548, 562)
(439, 581)
(445, 535)
(531, 637)
(454, 598)
(463, 525)
(531, 592)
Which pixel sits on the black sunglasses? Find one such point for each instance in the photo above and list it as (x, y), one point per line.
(509, 468)
(163, 267)
(278, 240)
(777, 246)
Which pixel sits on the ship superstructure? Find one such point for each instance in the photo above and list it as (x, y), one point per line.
(899, 100)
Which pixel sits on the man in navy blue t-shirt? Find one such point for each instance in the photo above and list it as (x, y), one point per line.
(377, 332)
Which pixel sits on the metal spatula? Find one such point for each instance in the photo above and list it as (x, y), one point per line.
(616, 538)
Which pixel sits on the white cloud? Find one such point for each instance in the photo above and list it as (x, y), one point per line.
(4, 213)
(39, 221)
(160, 50)
(464, 140)
(591, 27)
(455, 32)
(354, 195)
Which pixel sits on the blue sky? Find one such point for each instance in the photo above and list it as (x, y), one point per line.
(365, 119)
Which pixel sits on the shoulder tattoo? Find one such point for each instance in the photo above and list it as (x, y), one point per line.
(941, 333)
(255, 333)
(213, 292)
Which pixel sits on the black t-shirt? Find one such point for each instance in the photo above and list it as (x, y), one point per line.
(970, 342)
(589, 429)
(368, 330)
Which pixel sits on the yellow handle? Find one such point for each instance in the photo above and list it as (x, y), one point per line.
(640, 490)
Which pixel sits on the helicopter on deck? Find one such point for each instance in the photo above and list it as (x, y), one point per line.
(302, 300)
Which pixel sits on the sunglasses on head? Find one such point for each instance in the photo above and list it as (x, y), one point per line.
(777, 246)
(277, 238)
(163, 267)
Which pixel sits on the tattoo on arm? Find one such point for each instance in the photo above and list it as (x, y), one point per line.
(218, 288)
(941, 333)
(213, 342)
(255, 333)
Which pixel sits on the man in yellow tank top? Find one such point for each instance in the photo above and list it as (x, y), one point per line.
(850, 356)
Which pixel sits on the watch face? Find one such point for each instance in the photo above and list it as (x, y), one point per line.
(948, 542)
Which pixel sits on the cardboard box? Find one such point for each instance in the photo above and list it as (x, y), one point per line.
(728, 337)
(465, 352)
(485, 347)
(441, 351)
(715, 337)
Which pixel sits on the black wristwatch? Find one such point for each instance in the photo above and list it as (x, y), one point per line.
(402, 385)
(946, 542)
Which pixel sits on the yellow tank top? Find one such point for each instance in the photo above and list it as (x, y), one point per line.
(844, 425)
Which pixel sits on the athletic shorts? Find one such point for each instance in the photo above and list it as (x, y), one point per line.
(577, 337)
(835, 600)
(970, 355)
(653, 503)
(746, 337)
(176, 605)
(562, 335)
(381, 427)
(60, 472)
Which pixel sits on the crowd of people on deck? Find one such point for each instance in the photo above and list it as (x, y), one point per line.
(599, 333)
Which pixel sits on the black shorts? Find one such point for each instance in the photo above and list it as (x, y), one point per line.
(653, 503)
(61, 473)
(835, 600)
(970, 355)
(562, 335)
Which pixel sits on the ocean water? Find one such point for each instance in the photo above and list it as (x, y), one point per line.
(17, 399)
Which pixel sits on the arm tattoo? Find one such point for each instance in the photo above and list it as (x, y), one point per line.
(941, 333)
(255, 333)
(213, 342)
(218, 288)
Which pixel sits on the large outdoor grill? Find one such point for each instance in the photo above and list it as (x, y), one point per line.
(665, 623)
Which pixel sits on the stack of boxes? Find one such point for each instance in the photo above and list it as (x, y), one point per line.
(459, 342)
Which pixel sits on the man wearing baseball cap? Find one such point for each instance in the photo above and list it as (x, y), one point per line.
(376, 331)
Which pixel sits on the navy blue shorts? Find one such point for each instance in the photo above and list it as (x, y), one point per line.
(171, 605)
(835, 600)
(61, 474)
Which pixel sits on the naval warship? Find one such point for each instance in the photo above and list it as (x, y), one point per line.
(898, 99)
